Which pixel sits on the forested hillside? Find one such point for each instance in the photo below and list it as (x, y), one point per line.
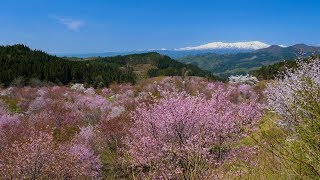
(159, 64)
(277, 69)
(19, 65)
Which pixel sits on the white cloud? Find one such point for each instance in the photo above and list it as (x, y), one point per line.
(71, 24)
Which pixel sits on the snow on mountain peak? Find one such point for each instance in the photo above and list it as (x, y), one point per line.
(254, 45)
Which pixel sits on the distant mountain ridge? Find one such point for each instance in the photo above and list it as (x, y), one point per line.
(241, 63)
(227, 58)
(213, 47)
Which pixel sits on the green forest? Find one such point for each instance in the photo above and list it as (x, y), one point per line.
(161, 65)
(20, 65)
(278, 69)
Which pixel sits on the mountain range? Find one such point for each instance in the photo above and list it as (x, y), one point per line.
(244, 62)
(225, 59)
(213, 47)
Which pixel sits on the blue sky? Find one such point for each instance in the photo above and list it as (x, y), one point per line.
(89, 26)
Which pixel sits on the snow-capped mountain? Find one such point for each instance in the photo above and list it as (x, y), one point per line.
(250, 45)
(214, 47)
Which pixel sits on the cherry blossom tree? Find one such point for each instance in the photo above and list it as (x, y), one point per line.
(39, 157)
(295, 99)
(297, 94)
(181, 135)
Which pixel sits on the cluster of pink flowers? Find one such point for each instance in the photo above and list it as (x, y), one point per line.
(7, 123)
(39, 158)
(6, 117)
(51, 118)
(162, 128)
(177, 130)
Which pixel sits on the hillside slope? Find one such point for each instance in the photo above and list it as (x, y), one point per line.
(153, 64)
(19, 63)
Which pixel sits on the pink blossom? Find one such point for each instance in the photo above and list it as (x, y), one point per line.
(39, 158)
(289, 96)
(90, 163)
(179, 127)
(90, 91)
